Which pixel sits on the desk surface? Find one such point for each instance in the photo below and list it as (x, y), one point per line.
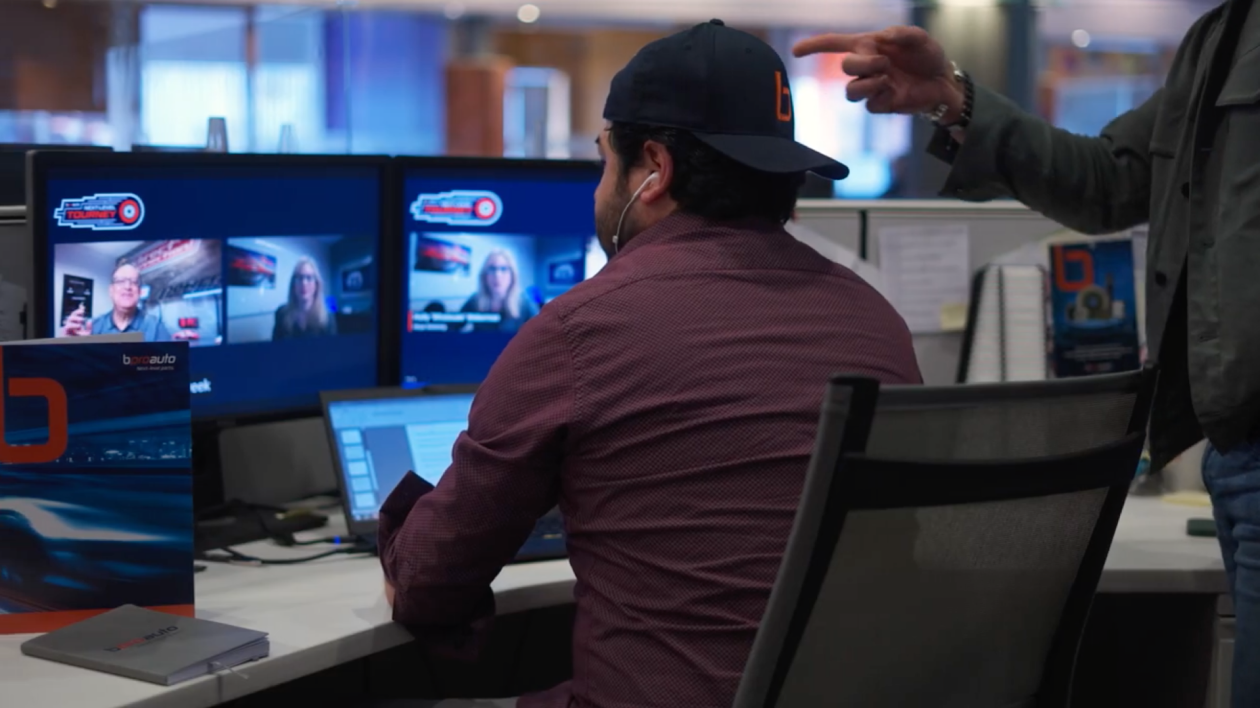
(332, 611)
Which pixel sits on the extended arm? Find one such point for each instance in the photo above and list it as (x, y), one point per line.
(1093, 185)
(441, 550)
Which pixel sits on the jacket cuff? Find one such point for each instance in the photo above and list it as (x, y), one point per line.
(976, 175)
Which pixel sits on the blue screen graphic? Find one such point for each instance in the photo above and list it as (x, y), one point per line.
(269, 273)
(485, 249)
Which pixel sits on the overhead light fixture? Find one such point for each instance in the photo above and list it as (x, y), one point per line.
(1081, 38)
(50, 4)
(528, 14)
(454, 10)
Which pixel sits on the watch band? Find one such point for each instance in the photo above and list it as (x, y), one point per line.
(937, 114)
(969, 102)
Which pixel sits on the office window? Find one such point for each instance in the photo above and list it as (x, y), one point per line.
(195, 65)
(192, 68)
(180, 96)
(827, 121)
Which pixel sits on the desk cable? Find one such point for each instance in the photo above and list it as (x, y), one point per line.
(234, 557)
(288, 540)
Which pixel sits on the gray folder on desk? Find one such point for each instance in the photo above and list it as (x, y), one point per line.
(150, 646)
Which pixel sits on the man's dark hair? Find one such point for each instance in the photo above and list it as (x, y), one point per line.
(706, 182)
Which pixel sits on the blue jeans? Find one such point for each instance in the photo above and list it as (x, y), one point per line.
(1233, 480)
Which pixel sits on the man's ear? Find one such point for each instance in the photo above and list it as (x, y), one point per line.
(657, 160)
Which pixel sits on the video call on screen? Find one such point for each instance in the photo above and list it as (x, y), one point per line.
(484, 254)
(250, 266)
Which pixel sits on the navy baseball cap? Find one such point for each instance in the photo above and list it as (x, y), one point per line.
(724, 86)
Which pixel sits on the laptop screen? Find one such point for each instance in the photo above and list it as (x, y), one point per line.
(378, 440)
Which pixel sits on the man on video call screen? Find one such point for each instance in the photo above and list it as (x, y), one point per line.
(163, 289)
(223, 257)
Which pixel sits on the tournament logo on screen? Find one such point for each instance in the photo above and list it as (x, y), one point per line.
(458, 208)
(101, 212)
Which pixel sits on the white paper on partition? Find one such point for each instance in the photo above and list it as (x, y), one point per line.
(119, 338)
(926, 271)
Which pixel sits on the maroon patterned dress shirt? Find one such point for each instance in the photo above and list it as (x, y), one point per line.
(669, 406)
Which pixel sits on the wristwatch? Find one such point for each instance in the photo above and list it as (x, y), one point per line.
(969, 94)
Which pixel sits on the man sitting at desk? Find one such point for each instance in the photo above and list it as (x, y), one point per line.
(669, 403)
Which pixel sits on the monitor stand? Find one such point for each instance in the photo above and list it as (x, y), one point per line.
(207, 467)
(221, 523)
(238, 523)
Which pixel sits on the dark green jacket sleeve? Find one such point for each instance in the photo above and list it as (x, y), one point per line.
(1092, 185)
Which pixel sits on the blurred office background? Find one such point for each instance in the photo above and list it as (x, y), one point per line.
(525, 77)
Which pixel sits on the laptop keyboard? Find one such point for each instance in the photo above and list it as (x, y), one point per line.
(550, 527)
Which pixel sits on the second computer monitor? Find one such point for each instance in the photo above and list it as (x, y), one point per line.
(266, 265)
(487, 243)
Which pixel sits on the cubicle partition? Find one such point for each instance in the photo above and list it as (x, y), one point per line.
(15, 272)
(991, 230)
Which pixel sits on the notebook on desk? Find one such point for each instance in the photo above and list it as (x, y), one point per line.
(378, 435)
(150, 646)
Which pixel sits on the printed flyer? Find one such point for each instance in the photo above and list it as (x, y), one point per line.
(1094, 308)
(96, 506)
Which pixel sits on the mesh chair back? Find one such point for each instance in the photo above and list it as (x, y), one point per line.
(1007, 421)
(944, 554)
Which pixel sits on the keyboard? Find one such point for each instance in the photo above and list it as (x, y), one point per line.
(550, 527)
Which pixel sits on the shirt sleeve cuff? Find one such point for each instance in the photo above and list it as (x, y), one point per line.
(398, 505)
(976, 174)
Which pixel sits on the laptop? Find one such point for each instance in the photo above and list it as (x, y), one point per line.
(378, 435)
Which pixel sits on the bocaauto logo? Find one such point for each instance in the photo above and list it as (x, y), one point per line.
(101, 212)
(160, 633)
(458, 208)
(150, 362)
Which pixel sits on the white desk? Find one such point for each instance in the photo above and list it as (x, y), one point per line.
(1152, 553)
(331, 612)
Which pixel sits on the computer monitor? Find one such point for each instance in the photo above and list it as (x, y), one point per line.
(167, 148)
(13, 168)
(378, 435)
(266, 265)
(486, 244)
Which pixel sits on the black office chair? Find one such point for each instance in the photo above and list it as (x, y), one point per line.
(948, 544)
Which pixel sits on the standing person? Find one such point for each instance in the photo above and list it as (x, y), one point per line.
(1188, 162)
(669, 406)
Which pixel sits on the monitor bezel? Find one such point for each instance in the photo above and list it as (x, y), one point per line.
(38, 163)
(392, 336)
(367, 529)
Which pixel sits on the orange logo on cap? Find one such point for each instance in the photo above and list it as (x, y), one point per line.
(782, 99)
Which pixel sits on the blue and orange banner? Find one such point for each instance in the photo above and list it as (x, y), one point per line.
(1093, 301)
(96, 503)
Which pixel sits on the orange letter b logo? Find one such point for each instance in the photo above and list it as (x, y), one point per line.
(783, 99)
(58, 421)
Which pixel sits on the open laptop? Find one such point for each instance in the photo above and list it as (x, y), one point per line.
(377, 435)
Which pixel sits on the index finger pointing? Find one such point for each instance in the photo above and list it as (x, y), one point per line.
(833, 43)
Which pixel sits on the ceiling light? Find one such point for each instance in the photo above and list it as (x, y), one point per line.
(528, 14)
(454, 11)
